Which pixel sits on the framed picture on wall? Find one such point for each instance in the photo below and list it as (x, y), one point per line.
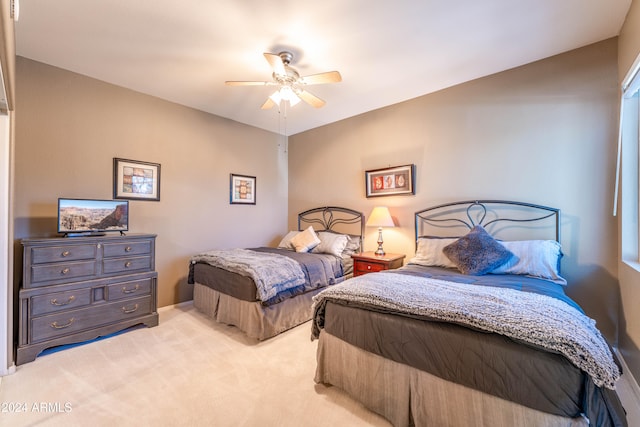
(242, 189)
(390, 181)
(136, 180)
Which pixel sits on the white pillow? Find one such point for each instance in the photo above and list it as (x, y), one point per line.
(305, 240)
(331, 243)
(429, 252)
(353, 246)
(285, 243)
(538, 258)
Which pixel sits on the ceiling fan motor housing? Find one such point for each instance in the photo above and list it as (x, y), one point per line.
(291, 76)
(288, 79)
(286, 57)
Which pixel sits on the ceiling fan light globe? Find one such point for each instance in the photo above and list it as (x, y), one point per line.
(276, 97)
(287, 93)
(293, 100)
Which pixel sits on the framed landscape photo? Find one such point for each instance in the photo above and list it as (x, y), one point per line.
(390, 181)
(242, 189)
(136, 180)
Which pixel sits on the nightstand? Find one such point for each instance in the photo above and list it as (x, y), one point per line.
(369, 262)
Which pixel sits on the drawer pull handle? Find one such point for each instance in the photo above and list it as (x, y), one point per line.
(368, 267)
(130, 310)
(65, 271)
(65, 254)
(128, 249)
(130, 291)
(55, 325)
(69, 301)
(127, 264)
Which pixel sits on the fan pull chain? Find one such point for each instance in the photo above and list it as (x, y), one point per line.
(280, 119)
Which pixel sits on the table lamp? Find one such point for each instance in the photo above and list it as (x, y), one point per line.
(380, 217)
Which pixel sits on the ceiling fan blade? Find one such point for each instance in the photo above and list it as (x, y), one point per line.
(268, 104)
(241, 83)
(328, 77)
(276, 63)
(310, 98)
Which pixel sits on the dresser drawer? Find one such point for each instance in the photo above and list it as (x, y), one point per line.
(120, 249)
(41, 274)
(370, 262)
(131, 289)
(69, 300)
(63, 253)
(368, 267)
(125, 265)
(72, 321)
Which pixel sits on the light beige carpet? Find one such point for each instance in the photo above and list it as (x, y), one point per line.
(188, 371)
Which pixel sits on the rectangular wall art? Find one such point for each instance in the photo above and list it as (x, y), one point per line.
(390, 181)
(243, 189)
(136, 180)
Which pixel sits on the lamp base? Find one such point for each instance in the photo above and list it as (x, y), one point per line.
(380, 251)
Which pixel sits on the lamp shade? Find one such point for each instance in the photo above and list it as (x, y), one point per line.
(380, 217)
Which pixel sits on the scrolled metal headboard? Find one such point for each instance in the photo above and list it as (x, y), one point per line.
(331, 218)
(476, 214)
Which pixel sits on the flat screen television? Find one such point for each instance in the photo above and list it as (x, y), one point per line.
(86, 217)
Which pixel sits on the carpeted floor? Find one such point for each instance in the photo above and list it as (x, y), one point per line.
(188, 371)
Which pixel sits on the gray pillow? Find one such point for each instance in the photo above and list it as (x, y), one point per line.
(477, 253)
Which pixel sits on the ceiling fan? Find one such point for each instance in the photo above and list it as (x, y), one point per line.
(290, 83)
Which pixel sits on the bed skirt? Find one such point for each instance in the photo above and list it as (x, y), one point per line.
(254, 319)
(407, 396)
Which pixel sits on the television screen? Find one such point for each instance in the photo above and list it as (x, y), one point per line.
(85, 216)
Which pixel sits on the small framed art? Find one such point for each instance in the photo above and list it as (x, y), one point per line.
(242, 189)
(390, 181)
(136, 180)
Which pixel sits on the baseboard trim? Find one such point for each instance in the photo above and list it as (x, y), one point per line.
(631, 380)
(9, 371)
(178, 305)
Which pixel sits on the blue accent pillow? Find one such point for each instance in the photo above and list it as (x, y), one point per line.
(477, 253)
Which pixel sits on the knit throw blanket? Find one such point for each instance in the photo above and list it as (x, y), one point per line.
(536, 319)
(272, 273)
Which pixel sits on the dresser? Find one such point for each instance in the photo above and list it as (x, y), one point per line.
(79, 288)
(369, 262)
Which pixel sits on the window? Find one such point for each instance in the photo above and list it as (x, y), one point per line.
(628, 164)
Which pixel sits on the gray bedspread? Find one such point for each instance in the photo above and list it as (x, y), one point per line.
(305, 272)
(506, 367)
(529, 317)
(272, 273)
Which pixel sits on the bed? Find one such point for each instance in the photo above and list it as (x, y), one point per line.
(466, 334)
(265, 291)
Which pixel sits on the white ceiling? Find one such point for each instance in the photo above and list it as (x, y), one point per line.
(387, 51)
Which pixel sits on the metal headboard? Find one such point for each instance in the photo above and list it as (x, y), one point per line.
(334, 218)
(476, 214)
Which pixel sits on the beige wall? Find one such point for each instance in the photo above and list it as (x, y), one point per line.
(70, 127)
(628, 50)
(543, 133)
